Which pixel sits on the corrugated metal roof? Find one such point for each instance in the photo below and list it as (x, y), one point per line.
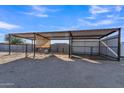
(95, 33)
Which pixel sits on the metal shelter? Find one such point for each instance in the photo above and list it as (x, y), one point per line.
(107, 44)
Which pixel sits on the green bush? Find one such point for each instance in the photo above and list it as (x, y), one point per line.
(14, 40)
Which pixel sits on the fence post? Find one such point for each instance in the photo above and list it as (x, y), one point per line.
(34, 45)
(91, 51)
(9, 44)
(119, 43)
(99, 47)
(26, 50)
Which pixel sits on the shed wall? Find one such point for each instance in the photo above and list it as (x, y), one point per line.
(87, 46)
(109, 46)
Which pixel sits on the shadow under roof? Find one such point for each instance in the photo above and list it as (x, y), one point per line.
(95, 33)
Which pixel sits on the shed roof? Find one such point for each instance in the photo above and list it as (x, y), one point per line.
(95, 33)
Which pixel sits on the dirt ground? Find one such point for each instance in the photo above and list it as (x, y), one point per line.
(58, 71)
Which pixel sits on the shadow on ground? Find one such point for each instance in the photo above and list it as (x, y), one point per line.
(54, 72)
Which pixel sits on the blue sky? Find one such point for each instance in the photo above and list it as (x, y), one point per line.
(58, 18)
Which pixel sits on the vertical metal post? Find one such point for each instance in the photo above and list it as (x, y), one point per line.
(34, 45)
(69, 47)
(50, 47)
(57, 49)
(91, 51)
(9, 44)
(63, 50)
(70, 44)
(26, 50)
(71, 41)
(99, 47)
(119, 43)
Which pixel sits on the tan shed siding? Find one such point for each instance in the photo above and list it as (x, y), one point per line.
(41, 41)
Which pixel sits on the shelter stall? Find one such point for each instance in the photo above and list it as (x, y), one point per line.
(100, 42)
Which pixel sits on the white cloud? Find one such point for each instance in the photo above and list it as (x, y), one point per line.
(8, 26)
(91, 17)
(59, 27)
(110, 16)
(115, 17)
(74, 27)
(41, 15)
(39, 8)
(109, 20)
(103, 15)
(105, 11)
(40, 11)
(36, 14)
(121, 17)
(98, 9)
(37, 11)
(43, 9)
(97, 23)
(104, 22)
(118, 8)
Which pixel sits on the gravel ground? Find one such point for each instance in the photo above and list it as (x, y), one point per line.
(48, 71)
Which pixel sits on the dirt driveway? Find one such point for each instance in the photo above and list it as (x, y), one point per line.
(59, 71)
